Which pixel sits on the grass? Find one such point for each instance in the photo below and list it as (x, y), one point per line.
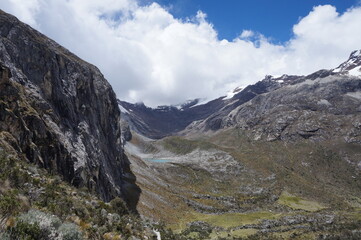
(298, 203)
(183, 146)
(295, 234)
(230, 220)
(240, 233)
(356, 215)
(227, 220)
(147, 147)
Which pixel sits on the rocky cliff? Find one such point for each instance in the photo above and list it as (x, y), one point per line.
(60, 113)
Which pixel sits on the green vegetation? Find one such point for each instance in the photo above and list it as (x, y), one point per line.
(298, 203)
(183, 146)
(230, 220)
(37, 205)
(234, 234)
(225, 220)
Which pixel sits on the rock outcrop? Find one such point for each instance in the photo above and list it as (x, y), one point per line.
(60, 113)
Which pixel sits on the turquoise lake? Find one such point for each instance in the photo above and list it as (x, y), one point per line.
(158, 160)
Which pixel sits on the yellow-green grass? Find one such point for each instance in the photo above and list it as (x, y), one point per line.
(295, 234)
(240, 233)
(183, 146)
(356, 214)
(298, 203)
(227, 220)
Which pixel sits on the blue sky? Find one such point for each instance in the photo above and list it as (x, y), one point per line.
(164, 52)
(272, 18)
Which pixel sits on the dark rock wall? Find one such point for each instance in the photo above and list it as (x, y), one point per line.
(61, 112)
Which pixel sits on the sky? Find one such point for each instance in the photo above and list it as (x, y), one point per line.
(165, 52)
(273, 19)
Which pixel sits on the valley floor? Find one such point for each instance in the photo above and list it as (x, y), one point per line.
(226, 186)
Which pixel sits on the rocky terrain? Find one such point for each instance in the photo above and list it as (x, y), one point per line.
(279, 159)
(60, 112)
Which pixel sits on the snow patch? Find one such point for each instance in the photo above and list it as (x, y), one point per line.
(324, 102)
(277, 76)
(336, 70)
(123, 110)
(201, 102)
(356, 95)
(189, 103)
(355, 72)
(231, 94)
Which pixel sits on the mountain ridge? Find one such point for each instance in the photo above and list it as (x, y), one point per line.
(217, 112)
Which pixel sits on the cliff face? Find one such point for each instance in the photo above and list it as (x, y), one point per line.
(60, 112)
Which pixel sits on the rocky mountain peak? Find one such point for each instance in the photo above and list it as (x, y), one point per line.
(355, 54)
(352, 66)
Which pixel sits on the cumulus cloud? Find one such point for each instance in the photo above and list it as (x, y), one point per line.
(148, 55)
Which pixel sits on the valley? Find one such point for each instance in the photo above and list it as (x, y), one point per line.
(277, 159)
(227, 185)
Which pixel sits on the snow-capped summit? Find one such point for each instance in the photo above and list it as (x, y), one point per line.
(352, 66)
(230, 94)
(187, 104)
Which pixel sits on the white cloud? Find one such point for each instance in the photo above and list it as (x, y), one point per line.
(246, 34)
(148, 55)
(24, 10)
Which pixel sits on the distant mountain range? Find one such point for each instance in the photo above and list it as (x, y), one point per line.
(286, 107)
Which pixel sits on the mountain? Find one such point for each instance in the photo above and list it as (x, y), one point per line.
(60, 113)
(286, 107)
(166, 120)
(320, 106)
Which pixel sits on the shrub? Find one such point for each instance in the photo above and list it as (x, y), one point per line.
(5, 236)
(69, 231)
(9, 204)
(119, 206)
(36, 225)
(27, 231)
(44, 220)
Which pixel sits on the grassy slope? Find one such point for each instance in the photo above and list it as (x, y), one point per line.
(24, 187)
